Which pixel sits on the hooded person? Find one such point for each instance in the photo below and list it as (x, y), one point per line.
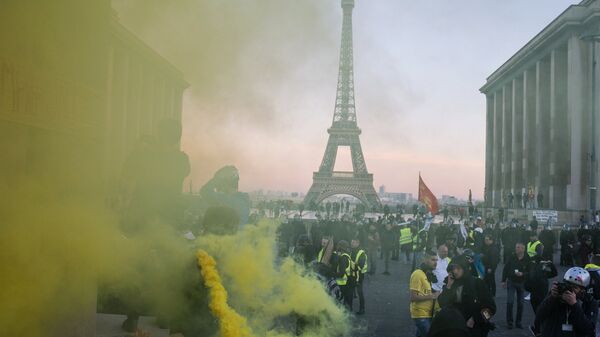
(468, 295)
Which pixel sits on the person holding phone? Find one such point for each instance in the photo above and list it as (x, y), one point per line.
(513, 280)
(468, 295)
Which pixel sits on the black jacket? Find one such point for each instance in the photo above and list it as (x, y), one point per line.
(552, 314)
(490, 256)
(469, 295)
(515, 264)
(547, 239)
(538, 275)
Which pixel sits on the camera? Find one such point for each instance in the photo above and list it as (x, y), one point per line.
(561, 287)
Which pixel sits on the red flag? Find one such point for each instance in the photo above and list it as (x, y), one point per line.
(427, 197)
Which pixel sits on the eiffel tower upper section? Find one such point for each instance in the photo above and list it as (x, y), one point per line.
(344, 116)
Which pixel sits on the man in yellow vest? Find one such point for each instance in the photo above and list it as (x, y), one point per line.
(361, 264)
(534, 246)
(406, 242)
(344, 273)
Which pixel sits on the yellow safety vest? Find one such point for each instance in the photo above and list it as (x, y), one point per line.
(320, 255)
(358, 255)
(531, 248)
(415, 238)
(341, 281)
(405, 236)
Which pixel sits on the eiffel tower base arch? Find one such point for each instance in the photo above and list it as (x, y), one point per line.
(343, 183)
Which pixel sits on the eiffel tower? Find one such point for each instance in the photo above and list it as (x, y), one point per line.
(344, 132)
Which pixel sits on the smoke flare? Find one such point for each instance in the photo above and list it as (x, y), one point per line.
(231, 323)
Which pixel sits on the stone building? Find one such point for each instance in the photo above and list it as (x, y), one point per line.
(538, 119)
(77, 90)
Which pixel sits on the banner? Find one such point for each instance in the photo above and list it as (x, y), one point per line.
(427, 197)
(542, 216)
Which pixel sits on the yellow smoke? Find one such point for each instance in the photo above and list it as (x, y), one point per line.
(264, 291)
(230, 322)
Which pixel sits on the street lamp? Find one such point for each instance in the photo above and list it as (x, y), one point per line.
(593, 38)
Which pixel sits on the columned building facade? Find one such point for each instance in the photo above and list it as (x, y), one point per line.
(538, 115)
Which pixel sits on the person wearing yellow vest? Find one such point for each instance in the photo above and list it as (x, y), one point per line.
(406, 242)
(361, 265)
(345, 273)
(422, 296)
(534, 246)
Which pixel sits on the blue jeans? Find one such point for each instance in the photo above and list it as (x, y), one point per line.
(422, 325)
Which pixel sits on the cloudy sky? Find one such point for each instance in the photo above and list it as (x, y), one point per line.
(263, 77)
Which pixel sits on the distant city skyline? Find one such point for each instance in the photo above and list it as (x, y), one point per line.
(264, 101)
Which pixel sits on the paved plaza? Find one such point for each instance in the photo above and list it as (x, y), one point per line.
(387, 305)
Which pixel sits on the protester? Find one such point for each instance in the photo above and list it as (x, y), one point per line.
(509, 239)
(534, 246)
(584, 251)
(513, 278)
(568, 310)
(406, 243)
(594, 269)
(490, 258)
(567, 244)
(387, 245)
(536, 280)
(360, 264)
(372, 246)
(422, 296)
(344, 274)
(442, 265)
(469, 296)
(548, 240)
(450, 242)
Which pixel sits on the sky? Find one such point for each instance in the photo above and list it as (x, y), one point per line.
(263, 76)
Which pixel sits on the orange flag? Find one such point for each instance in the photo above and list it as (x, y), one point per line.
(427, 197)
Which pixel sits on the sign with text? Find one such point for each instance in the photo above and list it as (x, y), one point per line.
(542, 216)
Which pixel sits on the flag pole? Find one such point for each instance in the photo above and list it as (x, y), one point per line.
(416, 246)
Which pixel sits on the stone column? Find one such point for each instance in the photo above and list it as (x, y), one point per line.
(517, 136)
(489, 148)
(497, 155)
(542, 126)
(577, 98)
(559, 140)
(507, 110)
(552, 120)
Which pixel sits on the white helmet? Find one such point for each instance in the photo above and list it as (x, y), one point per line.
(577, 276)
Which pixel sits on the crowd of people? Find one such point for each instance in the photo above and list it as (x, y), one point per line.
(453, 283)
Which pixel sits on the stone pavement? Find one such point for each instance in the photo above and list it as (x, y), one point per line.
(387, 301)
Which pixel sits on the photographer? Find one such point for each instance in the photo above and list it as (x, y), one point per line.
(470, 296)
(568, 310)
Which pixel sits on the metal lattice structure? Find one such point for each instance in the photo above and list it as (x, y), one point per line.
(344, 131)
